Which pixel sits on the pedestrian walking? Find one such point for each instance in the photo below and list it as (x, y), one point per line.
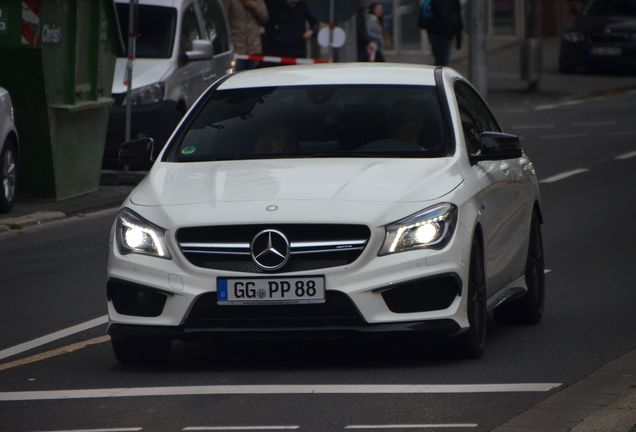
(443, 22)
(375, 27)
(246, 18)
(291, 25)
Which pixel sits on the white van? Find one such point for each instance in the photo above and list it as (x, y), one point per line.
(183, 46)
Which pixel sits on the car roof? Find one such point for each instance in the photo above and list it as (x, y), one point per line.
(333, 74)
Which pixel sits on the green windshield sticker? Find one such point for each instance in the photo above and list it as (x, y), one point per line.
(189, 150)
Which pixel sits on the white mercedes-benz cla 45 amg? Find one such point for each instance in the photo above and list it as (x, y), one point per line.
(329, 198)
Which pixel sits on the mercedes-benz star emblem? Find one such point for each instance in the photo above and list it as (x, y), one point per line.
(270, 249)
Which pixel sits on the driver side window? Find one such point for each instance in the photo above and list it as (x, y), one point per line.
(189, 29)
(475, 116)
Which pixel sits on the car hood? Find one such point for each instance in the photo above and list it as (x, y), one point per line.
(601, 24)
(145, 72)
(299, 180)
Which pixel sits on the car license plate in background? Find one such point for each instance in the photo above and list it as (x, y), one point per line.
(237, 291)
(606, 51)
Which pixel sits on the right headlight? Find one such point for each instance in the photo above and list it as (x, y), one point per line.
(430, 228)
(573, 36)
(149, 94)
(136, 235)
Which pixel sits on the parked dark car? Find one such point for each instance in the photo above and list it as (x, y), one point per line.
(603, 35)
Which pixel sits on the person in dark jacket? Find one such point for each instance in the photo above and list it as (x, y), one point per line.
(446, 25)
(286, 32)
(362, 34)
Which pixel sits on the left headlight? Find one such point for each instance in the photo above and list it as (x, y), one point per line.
(149, 94)
(136, 235)
(430, 228)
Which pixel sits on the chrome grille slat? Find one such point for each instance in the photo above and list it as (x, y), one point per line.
(310, 246)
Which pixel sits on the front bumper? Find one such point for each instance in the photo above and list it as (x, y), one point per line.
(419, 290)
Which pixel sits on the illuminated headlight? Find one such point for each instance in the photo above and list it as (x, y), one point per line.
(430, 228)
(149, 94)
(573, 37)
(136, 235)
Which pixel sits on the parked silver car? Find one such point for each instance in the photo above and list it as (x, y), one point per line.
(9, 147)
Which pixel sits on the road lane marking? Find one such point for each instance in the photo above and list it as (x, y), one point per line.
(564, 136)
(135, 429)
(234, 428)
(292, 389)
(564, 175)
(414, 426)
(26, 346)
(538, 126)
(557, 105)
(593, 124)
(54, 353)
(546, 271)
(622, 133)
(625, 156)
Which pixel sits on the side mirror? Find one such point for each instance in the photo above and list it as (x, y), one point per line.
(137, 152)
(201, 50)
(497, 146)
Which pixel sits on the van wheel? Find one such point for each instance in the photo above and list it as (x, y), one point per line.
(8, 176)
(529, 308)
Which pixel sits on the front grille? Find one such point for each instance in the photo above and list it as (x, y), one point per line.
(134, 299)
(338, 310)
(423, 295)
(312, 246)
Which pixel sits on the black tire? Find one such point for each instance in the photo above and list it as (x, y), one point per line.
(138, 351)
(8, 176)
(472, 343)
(529, 308)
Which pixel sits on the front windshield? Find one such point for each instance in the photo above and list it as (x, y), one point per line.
(155, 30)
(315, 121)
(610, 8)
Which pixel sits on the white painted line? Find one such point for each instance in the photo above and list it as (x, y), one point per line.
(235, 428)
(564, 136)
(414, 426)
(626, 156)
(564, 175)
(136, 429)
(546, 271)
(622, 133)
(276, 389)
(557, 105)
(538, 126)
(26, 346)
(593, 124)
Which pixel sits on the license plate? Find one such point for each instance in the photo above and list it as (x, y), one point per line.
(606, 51)
(293, 290)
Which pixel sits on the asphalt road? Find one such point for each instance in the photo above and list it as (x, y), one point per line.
(52, 278)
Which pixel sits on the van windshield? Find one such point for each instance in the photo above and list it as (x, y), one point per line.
(314, 121)
(610, 8)
(155, 30)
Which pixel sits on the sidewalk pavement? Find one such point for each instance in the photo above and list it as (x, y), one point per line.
(611, 410)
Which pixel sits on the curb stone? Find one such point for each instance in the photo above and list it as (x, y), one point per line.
(7, 224)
